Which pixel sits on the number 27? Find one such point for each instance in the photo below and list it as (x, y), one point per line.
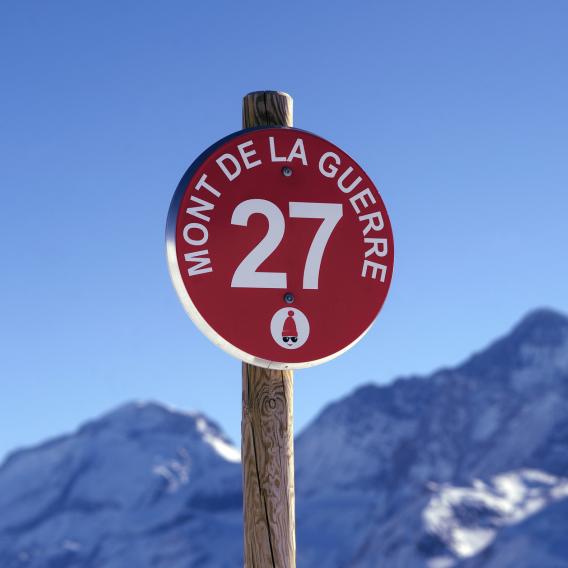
(247, 276)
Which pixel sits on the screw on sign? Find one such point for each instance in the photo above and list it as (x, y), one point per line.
(280, 247)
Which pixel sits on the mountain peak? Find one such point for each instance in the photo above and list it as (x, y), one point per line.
(142, 415)
(146, 408)
(539, 334)
(152, 424)
(144, 419)
(541, 325)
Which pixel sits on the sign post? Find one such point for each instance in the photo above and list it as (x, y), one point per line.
(280, 249)
(267, 445)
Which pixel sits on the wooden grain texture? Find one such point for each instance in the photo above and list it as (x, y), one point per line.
(268, 468)
(267, 108)
(268, 419)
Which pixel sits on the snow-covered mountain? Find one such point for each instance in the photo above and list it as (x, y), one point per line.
(143, 486)
(436, 472)
(467, 468)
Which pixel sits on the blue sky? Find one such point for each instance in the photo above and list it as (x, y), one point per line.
(457, 111)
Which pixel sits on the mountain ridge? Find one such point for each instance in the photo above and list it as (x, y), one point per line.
(450, 470)
(537, 314)
(535, 317)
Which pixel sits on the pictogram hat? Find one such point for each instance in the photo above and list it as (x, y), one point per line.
(289, 328)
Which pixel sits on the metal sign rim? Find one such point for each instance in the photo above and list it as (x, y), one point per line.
(185, 298)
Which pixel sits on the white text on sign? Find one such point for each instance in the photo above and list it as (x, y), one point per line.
(247, 275)
(244, 158)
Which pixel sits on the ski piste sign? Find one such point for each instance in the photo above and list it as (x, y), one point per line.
(279, 247)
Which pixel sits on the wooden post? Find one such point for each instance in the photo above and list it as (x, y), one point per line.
(267, 422)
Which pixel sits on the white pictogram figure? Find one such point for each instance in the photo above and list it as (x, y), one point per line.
(290, 328)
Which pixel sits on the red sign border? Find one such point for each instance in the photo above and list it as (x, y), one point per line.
(175, 274)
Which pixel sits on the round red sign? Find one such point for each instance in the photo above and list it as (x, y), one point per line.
(279, 247)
